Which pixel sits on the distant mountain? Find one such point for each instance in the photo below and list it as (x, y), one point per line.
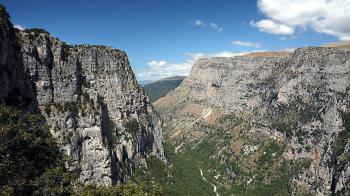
(145, 82)
(161, 87)
(342, 44)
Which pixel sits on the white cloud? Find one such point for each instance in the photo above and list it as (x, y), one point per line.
(247, 44)
(18, 26)
(216, 27)
(289, 49)
(157, 63)
(272, 27)
(162, 69)
(158, 70)
(199, 23)
(229, 54)
(284, 17)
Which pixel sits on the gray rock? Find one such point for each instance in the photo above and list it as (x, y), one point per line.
(89, 96)
(311, 85)
(102, 116)
(16, 89)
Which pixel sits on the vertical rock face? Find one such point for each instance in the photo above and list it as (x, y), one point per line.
(217, 82)
(301, 101)
(15, 88)
(89, 95)
(91, 98)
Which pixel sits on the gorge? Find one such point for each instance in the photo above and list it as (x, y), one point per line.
(277, 123)
(263, 123)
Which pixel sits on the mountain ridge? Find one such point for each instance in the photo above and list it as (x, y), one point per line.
(267, 113)
(160, 88)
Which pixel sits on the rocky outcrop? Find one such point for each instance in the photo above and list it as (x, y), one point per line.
(15, 89)
(90, 98)
(301, 101)
(218, 82)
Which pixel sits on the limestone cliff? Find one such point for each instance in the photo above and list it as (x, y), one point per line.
(15, 89)
(89, 96)
(274, 121)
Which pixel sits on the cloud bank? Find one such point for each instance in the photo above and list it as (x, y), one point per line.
(246, 44)
(284, 17)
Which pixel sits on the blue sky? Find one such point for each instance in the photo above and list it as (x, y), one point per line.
(163, 37)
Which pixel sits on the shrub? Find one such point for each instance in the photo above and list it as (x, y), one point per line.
(55, 181)
(340, 142)
(133, 126)
(272, 150)
(128, 188)
(36, 31)
(27, 152)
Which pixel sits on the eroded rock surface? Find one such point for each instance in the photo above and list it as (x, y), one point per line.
(297, 105)
(15, 89)
(89, 96)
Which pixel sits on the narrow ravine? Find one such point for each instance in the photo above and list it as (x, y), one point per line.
(214, 187)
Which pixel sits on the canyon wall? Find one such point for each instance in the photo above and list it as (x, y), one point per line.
(298, 103)
(89, 97)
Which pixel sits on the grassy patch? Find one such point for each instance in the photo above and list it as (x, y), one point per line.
(182, 177)
(272, 150)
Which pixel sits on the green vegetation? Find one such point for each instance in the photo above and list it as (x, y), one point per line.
(127, 189)
(182, 178)
(132, 126)
(30, 160)
(32, 164)
(287, 118)
(66, 51)
(264, 171)
(271, 150)
(340, 142)
(55, 181)
(147, 119)
(36, 31)
(66, 106)
(115, 135)
(73, 106)
(32, 34)
(161, 88)
(91, 46)
(281, 179)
